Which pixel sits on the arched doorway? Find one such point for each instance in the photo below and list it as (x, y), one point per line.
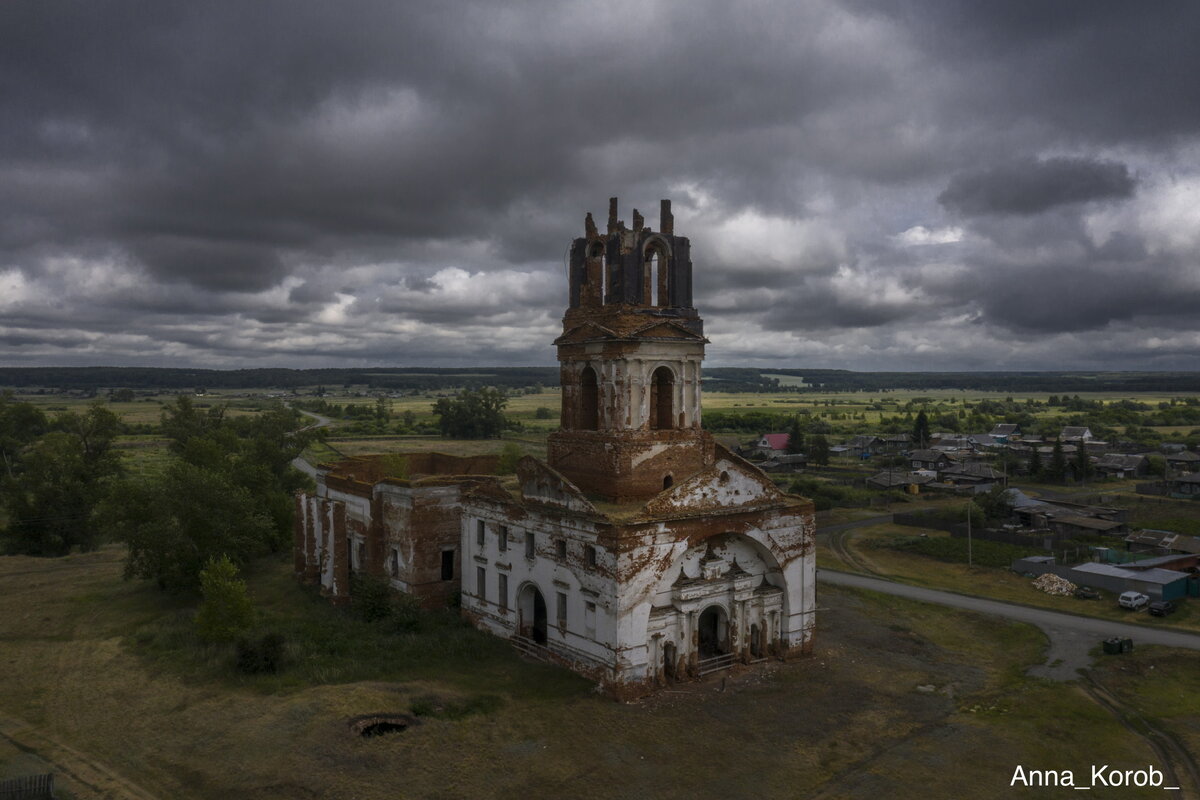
(662, 392)
(713, 632)
(531, 609)
(589, 400)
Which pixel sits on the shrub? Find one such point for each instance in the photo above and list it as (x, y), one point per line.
(510, 454)
(370, 598)
(226, 611)
(260, 656)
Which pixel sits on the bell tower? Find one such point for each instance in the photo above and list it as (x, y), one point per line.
(630, 356)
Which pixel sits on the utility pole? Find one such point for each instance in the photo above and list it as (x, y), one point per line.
(970, 560)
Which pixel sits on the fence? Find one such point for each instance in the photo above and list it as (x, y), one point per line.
(1045, 539)
(28, 787)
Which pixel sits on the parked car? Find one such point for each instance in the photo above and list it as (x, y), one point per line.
(1087, 593)
(1134, 600)
(1161, 608)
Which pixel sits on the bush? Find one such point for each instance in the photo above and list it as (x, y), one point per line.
(370, 598)
(510, 454)
(226, 611)
(259, 656)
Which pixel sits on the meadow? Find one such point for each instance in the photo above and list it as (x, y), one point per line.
(107, 685)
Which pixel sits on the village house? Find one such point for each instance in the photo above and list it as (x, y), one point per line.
(1006, 432)
(1184, 487)
(1120, 465)
(1075, 433)
(934, 460)
(1182, 462)
(640, 551)
(772, 444)
(898, 479)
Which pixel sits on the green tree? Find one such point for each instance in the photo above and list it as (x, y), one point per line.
(383, 409)
(1057, 470)
(472, 414)
(1035, 463)
(178, 521)
(183, 422)
(795, 442)
(995, 503)
(52, 491)
(20, 425)
(1083, 464)
(920, 433)
(510, 454)
(818, 450)
(252, 452)
(225, 612)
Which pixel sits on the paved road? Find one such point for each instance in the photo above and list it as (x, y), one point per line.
(1071, 637)
(321, 422)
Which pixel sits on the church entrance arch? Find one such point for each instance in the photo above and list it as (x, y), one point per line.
(713, 632)
(531, 607)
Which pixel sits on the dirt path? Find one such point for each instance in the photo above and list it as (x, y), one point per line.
(1178, 765)
(85, 778)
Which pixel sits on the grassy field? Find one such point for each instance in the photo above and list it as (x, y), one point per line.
(104, 677)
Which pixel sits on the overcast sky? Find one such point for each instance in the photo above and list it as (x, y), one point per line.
(867, 185)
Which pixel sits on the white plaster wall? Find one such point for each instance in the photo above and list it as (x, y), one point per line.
(550, 575)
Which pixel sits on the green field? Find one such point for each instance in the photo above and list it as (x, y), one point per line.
(104, 679)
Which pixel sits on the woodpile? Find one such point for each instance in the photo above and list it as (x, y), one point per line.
(1052, 584)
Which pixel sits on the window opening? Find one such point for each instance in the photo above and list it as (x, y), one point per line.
(589, 400)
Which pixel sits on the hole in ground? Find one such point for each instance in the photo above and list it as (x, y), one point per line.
(370, 725)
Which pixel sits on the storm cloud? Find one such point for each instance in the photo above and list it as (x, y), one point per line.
(1030, 186)
(889, 185)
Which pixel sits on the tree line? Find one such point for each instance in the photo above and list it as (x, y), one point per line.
(226, 491)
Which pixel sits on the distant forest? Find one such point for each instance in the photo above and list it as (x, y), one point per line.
(717, 379)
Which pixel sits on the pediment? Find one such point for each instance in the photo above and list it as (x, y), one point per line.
(665, 329)
(540, 483)
(586, 332)
(730, 483)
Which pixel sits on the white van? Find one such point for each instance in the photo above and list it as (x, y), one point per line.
(1133, 600)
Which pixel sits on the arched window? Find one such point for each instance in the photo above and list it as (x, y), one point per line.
(597, 288)
(654, 275)
(589, 400)
(662, 391)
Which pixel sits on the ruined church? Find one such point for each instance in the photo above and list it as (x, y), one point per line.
(640, 551)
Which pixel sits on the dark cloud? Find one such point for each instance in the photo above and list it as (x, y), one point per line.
(294, 182)
(1030, 186)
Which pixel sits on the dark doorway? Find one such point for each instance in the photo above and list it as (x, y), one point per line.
(755, 641)
(589, 400)
(662, 386)
(713, 632)
(533, 614)
(669, 659)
